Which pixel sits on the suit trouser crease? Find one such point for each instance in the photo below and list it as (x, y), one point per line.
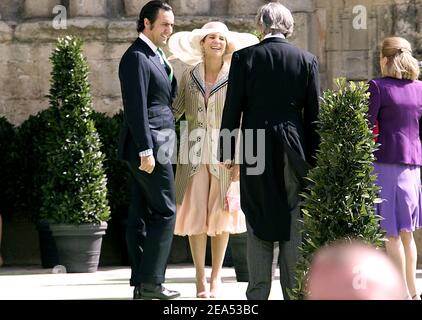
(260, 252)
(151, 221)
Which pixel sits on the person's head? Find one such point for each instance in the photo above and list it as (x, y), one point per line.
(213, 39)
(156, 21)
(396, 59)
(274, 18)
(215, 43)
(353, 271)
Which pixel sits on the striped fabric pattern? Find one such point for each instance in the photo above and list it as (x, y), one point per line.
(190, 100)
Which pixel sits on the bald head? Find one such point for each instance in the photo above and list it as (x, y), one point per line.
(353, 272)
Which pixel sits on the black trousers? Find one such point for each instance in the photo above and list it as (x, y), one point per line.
(151, 220)
(260, 253)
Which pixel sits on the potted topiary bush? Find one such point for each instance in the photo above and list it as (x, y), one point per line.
(116, 171)
(74, 194)
(117, 181)
(339, 202)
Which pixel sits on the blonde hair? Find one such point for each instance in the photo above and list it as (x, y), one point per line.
(400, 62)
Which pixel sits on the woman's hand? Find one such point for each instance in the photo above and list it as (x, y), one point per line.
(227, 164)
(235, 170)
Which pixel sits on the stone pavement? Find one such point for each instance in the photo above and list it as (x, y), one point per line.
(109, 283)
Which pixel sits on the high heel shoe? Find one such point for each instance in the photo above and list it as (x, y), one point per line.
(416, 296)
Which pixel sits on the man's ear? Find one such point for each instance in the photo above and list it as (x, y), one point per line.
(147, 23)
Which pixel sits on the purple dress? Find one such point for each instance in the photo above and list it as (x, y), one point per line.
(397, 106)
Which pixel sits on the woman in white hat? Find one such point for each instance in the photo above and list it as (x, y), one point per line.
(201, 184)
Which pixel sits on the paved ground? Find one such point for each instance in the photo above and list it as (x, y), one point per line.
(111, 283)
(35, 283)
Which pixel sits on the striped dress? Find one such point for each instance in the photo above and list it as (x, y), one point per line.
(198, 150)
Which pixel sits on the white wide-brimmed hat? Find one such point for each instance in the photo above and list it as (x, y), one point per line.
(186, 45)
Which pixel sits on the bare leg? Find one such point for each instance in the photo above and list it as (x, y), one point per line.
(218, 250)
(198, 245)
(411, 257)
(395, 251)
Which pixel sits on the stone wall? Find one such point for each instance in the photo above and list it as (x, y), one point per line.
(343, 34)
(27, 37)
(354, 52)
(324, 27)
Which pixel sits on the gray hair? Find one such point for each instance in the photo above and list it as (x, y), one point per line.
(275, 18)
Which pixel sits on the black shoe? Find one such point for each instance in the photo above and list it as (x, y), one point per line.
(137, 293)
(158, 292)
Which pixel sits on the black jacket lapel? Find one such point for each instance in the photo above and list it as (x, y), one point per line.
(154, 59)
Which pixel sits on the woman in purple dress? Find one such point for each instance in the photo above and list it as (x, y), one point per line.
(396, 103)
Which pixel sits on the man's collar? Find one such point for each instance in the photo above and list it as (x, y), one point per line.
(143, 37)
(278, 35)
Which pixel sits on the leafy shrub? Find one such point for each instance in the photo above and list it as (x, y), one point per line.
(339, 203)
(75, 189)
(117, 172)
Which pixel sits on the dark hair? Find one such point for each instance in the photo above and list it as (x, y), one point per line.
(150, 11)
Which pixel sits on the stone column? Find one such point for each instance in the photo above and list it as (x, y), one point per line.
(299, 6)
(6, 33)
(10, 10)
(39, 8)
(91, 8)
(219, 7)
(133, 7)
(242, 7)
(190, 7)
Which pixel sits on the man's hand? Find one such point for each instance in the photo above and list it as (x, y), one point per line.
(147, 164)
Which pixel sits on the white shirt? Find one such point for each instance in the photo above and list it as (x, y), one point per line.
(278, 35)
(148, 42)
(153, 47)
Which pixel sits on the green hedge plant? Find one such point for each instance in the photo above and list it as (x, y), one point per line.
(33, 161)
(339, 203)
(117, 173)
(75, 190)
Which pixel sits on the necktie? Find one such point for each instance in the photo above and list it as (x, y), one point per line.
(167, 64)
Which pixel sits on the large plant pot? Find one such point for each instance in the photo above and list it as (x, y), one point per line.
(79, 246)
(48, 248)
